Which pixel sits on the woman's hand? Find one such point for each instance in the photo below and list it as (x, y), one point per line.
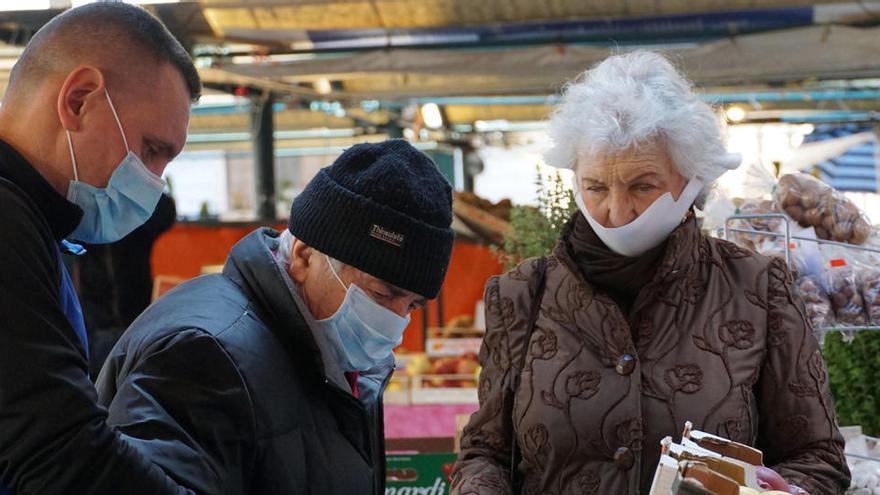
(769, 479)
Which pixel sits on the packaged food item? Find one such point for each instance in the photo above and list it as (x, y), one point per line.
(843, 291)
(812, 203)
(868, 276)
(843, 220)
(723, 446)
(816, 302)
(808, 270)
(799, 195)
(757, 242)
(865, 478)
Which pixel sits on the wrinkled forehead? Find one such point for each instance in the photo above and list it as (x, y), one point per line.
(626, 165)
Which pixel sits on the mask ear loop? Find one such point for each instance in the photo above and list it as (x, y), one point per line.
(333, 271)
(72, 156)
(118, 122)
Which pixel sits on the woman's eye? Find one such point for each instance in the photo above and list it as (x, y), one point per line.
(597, 189)
(645, 187)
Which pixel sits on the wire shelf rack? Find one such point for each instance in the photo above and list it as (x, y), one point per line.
(849, 331)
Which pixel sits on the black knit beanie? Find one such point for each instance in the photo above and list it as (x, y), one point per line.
(383, 208)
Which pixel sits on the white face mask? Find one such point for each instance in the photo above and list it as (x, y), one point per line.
(650, 228)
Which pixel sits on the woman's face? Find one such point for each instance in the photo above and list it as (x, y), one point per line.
(618, 188)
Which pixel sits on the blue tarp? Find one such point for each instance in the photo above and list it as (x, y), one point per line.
(856, 169)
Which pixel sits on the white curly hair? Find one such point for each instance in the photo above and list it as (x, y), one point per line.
(633, 98)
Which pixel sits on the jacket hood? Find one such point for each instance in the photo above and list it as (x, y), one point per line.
(252, 266)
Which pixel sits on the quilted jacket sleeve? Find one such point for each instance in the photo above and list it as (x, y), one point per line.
(484, 463)
(181, 402)
(798, 432)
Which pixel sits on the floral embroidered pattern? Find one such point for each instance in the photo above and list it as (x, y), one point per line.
(777, 334)
(543, 345)
(629, 433)
(583, 384)
(687, 378)
(732, 428)
(817, 368)
(739, 334)
(731, 251)
(587, 482)
(791, 428)
(534, 448)
(485, 387)
(694, 288)
(737, 428)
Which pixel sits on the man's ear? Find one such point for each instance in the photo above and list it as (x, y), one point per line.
(301, 261)
(82, 83)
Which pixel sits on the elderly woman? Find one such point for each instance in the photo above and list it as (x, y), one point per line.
(638, 322)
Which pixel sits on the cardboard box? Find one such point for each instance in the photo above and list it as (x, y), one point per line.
(419, 474)
(443, 347)
(423, 392)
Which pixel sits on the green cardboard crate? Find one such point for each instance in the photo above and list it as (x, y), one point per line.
(419, 474)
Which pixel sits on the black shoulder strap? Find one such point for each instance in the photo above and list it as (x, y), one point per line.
(541, 278)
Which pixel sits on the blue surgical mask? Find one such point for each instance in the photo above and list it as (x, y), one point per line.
(365, 332)
(125, 204)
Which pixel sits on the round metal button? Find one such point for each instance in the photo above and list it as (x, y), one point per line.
(626, 364)
(624, 459)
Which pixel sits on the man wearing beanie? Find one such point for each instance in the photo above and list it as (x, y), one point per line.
(268, 378)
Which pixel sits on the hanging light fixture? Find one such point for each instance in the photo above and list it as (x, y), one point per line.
(431, 116)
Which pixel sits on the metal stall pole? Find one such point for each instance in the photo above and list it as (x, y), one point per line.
(263, 129)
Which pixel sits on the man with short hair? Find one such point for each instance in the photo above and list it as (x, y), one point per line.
(268, 378)
(96, 107)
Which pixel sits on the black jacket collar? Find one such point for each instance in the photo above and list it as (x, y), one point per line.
(61, 215)
(252, 267)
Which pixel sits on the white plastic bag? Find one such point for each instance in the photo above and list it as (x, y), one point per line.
(812, 203)
(843, 290)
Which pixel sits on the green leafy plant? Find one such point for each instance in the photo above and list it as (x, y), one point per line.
(853, 369)
(535, 230)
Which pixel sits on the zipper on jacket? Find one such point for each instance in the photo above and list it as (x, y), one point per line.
(380, 436)
(375, 448)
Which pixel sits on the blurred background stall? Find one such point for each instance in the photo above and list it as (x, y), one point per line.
(290, 84)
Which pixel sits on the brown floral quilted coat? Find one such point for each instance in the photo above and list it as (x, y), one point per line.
(716, 338)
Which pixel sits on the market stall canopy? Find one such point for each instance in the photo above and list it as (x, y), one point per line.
(820, 148)
(492, 54)
(243, 18)
(809, 52)
(844, 157)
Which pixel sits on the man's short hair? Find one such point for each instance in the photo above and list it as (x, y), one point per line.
(115, 33)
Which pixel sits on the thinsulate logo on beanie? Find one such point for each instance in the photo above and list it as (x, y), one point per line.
(386, 235)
